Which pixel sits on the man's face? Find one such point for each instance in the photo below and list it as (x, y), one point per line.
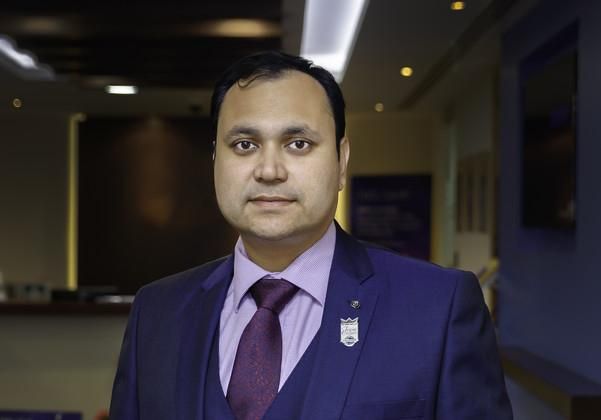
(277, 173)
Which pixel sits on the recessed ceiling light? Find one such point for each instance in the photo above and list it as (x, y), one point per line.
(17, 103)
(457, 5)
(379, 107)
(406, 71)
(121, 89)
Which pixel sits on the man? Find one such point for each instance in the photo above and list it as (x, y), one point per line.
(302, 321)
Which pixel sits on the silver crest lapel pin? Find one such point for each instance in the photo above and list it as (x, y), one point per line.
(349, 331)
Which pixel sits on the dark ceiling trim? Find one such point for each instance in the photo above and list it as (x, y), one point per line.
(149, 44)
(134, 11)
(468, 38)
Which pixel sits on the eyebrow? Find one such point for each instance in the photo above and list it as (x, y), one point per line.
(293, 130)
(242, 130)
(300, 129)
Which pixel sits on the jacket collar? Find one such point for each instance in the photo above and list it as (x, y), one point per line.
(199, 321)
(335, 362)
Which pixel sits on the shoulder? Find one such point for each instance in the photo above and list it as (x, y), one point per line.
(422, 287)
(411, 271)
(182, 283)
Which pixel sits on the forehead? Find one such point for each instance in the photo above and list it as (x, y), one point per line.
(291, 97)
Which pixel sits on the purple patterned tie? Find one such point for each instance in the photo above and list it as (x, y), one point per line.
(256, 372)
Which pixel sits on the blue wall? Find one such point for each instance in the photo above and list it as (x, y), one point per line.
(550, 289)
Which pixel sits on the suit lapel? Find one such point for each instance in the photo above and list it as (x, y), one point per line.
(335, 363)
(199, 320)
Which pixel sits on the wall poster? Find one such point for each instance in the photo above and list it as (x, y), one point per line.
(393, 211)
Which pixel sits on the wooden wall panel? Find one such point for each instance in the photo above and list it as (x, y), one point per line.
(147, 206)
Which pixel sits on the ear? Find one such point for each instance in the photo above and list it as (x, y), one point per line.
(345, 152)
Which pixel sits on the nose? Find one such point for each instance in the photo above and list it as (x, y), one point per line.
(270, 166)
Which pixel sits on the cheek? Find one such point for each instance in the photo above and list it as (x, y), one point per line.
(231, 181)
(224, 182)
(226, 173)
(218, 179)
(321, 184)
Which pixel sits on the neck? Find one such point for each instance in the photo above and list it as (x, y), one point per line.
(276, 256)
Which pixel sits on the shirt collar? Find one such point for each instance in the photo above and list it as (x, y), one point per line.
(309, 271)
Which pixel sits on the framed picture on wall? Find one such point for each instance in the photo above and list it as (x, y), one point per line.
(549, 89)
(393, 211)
(475, 189)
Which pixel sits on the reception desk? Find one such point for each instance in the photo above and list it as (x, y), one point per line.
(64, 308)
(59, 356)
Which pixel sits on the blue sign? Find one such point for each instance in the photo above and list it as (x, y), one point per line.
(393, 211)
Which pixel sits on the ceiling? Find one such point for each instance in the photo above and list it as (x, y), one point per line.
(151, 44)
(447, 50)
(173, 52)
(401, 33)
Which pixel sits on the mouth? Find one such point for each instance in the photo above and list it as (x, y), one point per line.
(271, 201)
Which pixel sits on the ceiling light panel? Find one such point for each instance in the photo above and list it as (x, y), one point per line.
(329, 32)
(21, 62)
(23, 59)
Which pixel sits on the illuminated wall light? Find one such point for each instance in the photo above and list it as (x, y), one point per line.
(457, 5)
(406, 71)
(379, 107)
(121, 89)
(72, 199)
(17, 103)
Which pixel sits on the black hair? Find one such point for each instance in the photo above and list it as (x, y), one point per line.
(271, 65)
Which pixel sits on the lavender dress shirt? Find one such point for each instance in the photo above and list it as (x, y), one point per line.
(300, 319)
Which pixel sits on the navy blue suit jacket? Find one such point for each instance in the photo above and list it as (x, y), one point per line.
(426, 345)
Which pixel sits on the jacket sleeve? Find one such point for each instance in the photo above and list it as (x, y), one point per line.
(124, 400)
(471, 385)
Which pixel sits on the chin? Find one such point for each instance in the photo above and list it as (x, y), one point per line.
(271, 234)
(272, 231)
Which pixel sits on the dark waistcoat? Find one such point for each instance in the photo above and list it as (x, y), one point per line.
(289, 401)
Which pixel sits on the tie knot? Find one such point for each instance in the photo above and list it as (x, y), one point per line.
(273, 294)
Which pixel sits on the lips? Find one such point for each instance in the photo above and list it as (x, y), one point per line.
(270, 198)
(270, 201)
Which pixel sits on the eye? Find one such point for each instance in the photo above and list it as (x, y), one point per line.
(244, 146)
(299, 145)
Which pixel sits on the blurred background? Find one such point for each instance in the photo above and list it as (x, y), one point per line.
(474, 144)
